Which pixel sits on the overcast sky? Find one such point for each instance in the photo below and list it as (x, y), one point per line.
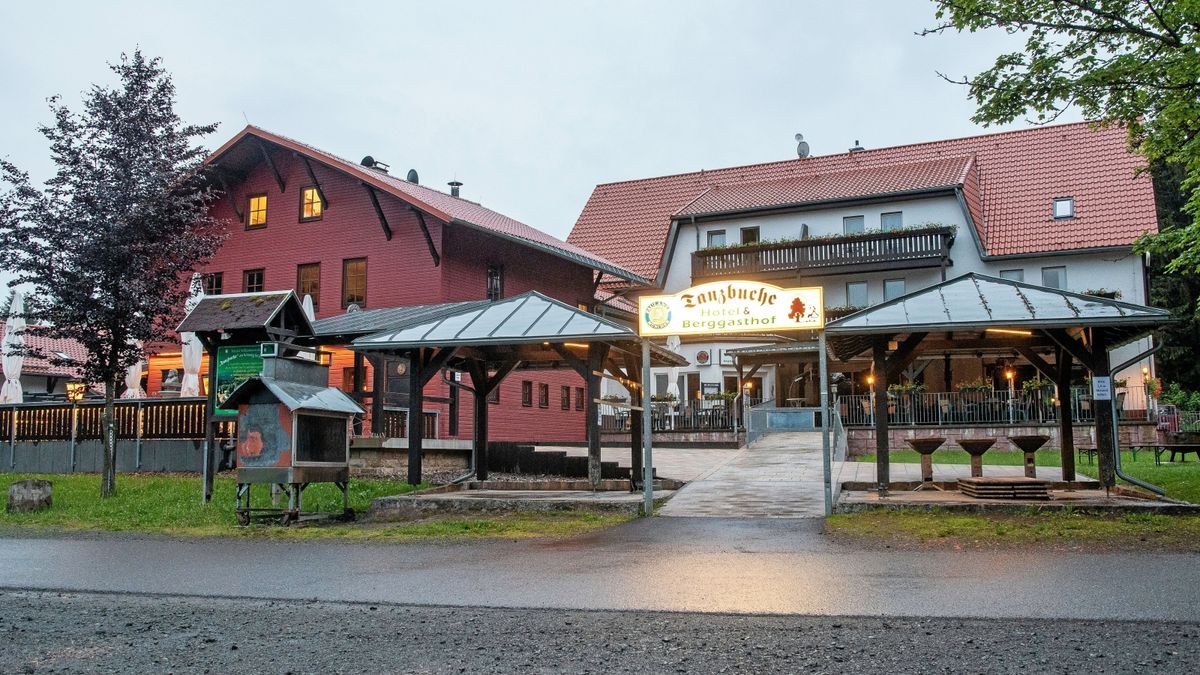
(530, 104)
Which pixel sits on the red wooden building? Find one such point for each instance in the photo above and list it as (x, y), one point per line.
(355, 237)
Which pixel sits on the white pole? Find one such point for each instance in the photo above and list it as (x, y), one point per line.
(647, 450)
(826, 460)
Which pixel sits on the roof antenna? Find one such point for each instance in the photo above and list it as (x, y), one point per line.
(245, 118)
(801, 146)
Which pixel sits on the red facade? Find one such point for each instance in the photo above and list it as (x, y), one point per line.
(400, 271)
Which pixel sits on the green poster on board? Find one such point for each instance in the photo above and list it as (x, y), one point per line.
(235, 365)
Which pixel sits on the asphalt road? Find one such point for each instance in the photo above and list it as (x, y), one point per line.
(662, 564)
(128, 633)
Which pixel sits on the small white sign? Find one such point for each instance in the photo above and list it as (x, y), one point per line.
(1102, 388)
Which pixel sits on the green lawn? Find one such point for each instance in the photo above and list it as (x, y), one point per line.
(170, 504)
(1181, 480)
(1061, 529)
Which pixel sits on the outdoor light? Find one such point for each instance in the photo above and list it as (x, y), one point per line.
(75, 391)
(1010, 331)
(1008, 374)
(870, 379)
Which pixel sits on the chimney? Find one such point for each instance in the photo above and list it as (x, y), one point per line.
(857, 147)
(454, 186)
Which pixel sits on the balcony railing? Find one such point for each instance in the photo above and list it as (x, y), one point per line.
(900, 249)
(987, 408)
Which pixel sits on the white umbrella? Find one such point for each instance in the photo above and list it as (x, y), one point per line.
(13, 343)
(307, 304)
(192, 352)
(191, 349)
(133, 381)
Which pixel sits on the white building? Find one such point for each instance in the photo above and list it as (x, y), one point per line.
(1058, 206)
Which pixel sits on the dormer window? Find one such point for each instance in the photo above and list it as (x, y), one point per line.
(1064, 207)
(310, 204)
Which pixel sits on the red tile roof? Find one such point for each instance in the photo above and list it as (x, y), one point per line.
(34, 365)
(449, 209)
(1009, 188)
(830, 186)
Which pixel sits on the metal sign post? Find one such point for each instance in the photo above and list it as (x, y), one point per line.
(826, 460)
(647, 450)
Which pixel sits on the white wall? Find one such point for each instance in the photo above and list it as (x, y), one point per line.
(1121, 271)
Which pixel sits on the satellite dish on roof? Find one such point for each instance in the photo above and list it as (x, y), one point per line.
(801, 146)
(412, 176)
(352, 308)
(368, 161)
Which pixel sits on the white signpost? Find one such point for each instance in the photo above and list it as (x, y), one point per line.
(735, 306)
(1102, 388)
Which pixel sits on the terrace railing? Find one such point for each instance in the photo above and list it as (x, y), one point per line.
(676, 416)
(395, 424)
(980, 408)
(179, 418)
(899, 249)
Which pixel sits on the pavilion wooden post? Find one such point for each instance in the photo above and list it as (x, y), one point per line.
(210, 425)
(633, 368)
(595, 364)
(1106, 432)
(359, 375)
(378, 384)
(416, 404)
(1066, 425)
(882, 435)
(484, 385)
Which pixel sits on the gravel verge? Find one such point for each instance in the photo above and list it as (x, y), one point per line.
(56, 632)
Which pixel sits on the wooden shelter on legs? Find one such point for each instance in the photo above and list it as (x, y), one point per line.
(489, 340)
(1048, 327)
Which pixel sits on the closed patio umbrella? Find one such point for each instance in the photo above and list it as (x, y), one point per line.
(192, 350)
(133, 381)
(12, 346)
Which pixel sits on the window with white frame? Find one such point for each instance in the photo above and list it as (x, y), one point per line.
(892, 288)
(716, 238)
(891, 221)
(1013, 275)
(856, 294)
(854, 225)
(1064, 207)
(1054, 277)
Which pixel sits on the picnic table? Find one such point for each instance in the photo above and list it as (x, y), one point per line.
(1181, 449)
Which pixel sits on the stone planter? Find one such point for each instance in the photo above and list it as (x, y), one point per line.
(1029, 445)
(27, 496)
(925, 447)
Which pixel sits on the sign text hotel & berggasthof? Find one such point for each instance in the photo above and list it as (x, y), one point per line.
(731, 307)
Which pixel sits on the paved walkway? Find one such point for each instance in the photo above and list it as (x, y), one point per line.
(780, 476)
(679, 463)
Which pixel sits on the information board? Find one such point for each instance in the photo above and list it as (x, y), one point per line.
(235, 365)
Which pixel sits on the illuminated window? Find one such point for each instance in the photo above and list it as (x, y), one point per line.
(256, 214)
(252, 281)
(310, 204)
(308, 282)
(354, 282)
(212, 283)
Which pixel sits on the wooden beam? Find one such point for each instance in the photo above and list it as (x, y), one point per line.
(232, 198)
(597, 352)
(387, 229)
(1074, 347)
(636, 449)
(882, 434)
(432, 364)
(313, 178)
(577, 364)
(904, 354)
(1066, 425)
(1038, 362)
(433, 252)
(271, 163)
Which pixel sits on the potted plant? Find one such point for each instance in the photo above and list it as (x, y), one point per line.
(979, 384)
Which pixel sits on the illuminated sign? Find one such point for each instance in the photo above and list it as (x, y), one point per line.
(731, 307)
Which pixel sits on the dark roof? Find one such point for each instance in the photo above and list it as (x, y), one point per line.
(781, 348)
(448, 209)
(977, 302)
(1009, 189)
(238, 311)
(295, 396)
(523, 319)
(375, 320)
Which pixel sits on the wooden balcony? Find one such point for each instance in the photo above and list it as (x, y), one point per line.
(874, 252)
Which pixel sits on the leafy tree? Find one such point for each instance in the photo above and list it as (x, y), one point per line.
(1133, 62)
(1176, 291)
(108, 245)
